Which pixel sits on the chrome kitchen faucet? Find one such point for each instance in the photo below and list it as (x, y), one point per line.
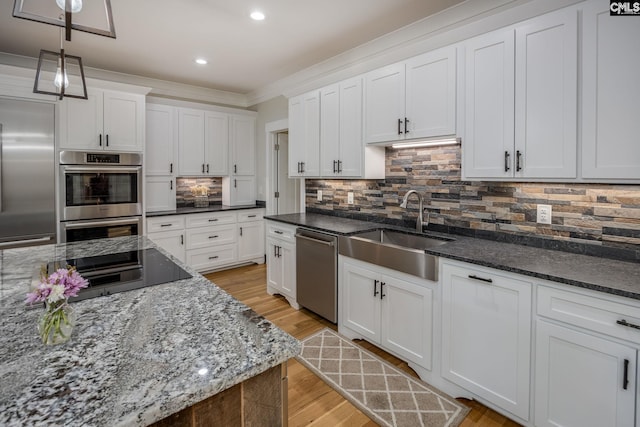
(420, 220)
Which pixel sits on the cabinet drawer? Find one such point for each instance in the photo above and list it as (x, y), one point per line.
(250, 215)
(165, 223)
(210, 258)
(211, 236)
(590, 312)
(208, 219)
(281, 231)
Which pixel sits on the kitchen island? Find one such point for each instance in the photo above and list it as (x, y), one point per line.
(137, 357)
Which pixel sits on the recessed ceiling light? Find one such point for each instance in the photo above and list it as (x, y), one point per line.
(257, 15)
(201, 61)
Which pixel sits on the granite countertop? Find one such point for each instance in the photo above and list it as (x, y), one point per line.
(135, 357)
(210, 208)
(601, 274)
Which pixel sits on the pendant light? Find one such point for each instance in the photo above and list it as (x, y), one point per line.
(60, 74)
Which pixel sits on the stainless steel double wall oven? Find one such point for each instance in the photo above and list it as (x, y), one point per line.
(100, 195)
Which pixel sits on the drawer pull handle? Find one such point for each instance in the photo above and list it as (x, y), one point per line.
(278, 232)
(627, 324)
(251, 216)
(214, 237)
(166, 225)
(213, 219)
(625, 380)
(213, 257)
(482, 279)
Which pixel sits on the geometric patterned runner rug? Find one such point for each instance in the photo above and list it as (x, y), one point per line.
(384, 393)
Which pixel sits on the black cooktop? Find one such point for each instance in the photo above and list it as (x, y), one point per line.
(123, 271)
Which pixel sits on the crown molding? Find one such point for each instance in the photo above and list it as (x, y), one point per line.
(451, 26)
(160, 88)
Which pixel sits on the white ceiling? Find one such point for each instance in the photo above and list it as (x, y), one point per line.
(161, 38)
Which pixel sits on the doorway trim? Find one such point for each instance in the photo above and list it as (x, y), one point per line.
(272, 129)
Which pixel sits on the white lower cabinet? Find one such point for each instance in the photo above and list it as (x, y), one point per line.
(583, 380)
(211, 240)
(281, 261)
(390, 309)
(486, 335)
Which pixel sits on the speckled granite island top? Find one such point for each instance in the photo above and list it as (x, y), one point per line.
(600, 274)
(135, 357)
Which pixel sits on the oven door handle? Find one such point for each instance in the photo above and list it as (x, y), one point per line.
(74, 225)
(100, 169)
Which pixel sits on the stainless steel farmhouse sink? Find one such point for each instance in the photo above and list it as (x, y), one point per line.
(395, 250)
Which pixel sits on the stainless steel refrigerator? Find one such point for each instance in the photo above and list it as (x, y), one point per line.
(27, 173)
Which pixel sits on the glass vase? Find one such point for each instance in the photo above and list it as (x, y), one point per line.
(201, 201)
(57, 322)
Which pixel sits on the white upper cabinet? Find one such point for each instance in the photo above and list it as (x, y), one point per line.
(412, 99)
(546, 96)
(203, 141)
(304, 135)
(521, 100)
(330, 130)
(610, 94)
(216, 143)
(243, 145)
(487, 148)
(107, 120)
(160, 147)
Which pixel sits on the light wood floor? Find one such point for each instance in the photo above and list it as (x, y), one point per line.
(311, 401)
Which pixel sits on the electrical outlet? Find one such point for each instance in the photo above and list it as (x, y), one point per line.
(319, 195)
(544, 214)
(350, 197)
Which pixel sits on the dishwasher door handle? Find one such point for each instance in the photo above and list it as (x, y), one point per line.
(322, 242)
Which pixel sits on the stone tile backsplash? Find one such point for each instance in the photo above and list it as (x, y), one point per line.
(600, 214)
(184, 197)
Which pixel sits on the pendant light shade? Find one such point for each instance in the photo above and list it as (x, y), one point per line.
(61, 75)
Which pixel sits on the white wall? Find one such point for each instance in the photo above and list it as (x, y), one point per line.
(268, 111)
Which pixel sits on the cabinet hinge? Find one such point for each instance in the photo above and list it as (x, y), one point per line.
(276, 147)
(276, 194)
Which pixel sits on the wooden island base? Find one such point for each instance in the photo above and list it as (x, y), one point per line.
(258, 401)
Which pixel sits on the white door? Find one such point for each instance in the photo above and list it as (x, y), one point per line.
(250, 240)
(242, 140)
(610, 94)
(191, 142)
(351, 144)
(431, 94)
(580, 379)
(546, 96)
(384, 104)
(171, 241)
(216, 143)
(160, 140)
(275, 270)
(287, 253)
(286, 190)
(360, 294)
(330, 130)
(160, 193)
(81, 122)
(486, 331)
(123, 121)
(407, 319)
(489, 109)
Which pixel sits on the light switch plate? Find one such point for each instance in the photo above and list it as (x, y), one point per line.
(319, 195)
(350, 197)
(544, 214)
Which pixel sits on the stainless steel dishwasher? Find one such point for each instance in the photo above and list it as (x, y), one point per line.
(317, 272)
